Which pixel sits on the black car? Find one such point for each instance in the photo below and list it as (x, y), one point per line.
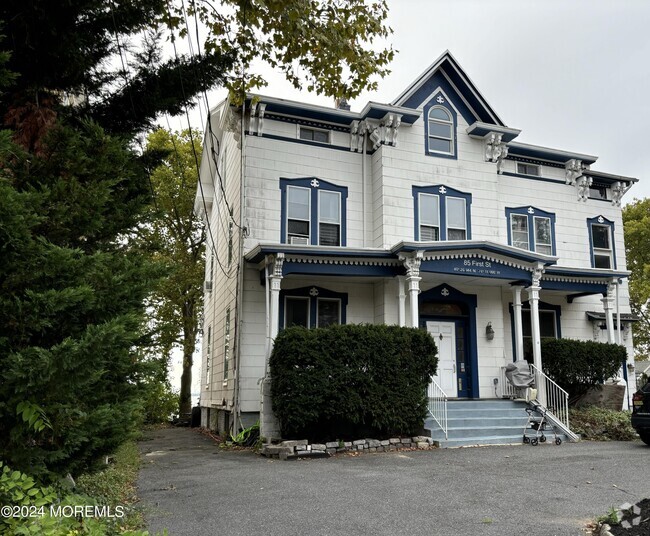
(641, 413)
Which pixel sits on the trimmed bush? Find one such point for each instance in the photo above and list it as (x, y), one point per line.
(351, 381)
(579, 365)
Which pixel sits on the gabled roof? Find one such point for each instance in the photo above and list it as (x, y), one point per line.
(445, 72)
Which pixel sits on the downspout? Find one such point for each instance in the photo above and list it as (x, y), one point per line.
(240, 274)
(363, 183)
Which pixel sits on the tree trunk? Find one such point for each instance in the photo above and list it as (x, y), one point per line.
(189, 343)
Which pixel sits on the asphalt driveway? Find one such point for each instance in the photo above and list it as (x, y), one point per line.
(191, 487)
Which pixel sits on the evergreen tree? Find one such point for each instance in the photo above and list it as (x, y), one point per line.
(73, 187)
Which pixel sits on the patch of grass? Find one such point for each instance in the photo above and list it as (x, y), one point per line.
(611, 518)
(599, 424)
(116, 484)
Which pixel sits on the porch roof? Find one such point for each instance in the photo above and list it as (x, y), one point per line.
(481, 260)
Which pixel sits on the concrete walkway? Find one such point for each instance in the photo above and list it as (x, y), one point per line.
(191, 487)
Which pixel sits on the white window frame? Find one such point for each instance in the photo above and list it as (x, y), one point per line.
(440, 122)
(512, 231)
(318, 300)
(304, 298)
(313, 129)
(601, 252)
(420, 224)
(318, 218)
(308, 220)
(447, 227)
(536, 242)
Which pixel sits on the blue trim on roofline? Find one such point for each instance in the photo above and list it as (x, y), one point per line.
(545, 153)
(533, 178)
(576, 287)
(305, 142)
(435, 81)
(489, 247)
(354, 270)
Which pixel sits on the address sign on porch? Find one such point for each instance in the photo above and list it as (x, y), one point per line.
(474, 266)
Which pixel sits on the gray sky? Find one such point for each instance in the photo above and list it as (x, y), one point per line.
(571, 74)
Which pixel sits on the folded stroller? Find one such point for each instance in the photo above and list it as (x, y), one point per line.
(522, 379)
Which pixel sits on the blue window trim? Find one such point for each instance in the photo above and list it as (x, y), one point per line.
(306, 292)
(443, 192)
(542, 306)
(601, 220)
(525, 211)
(314, 184)
(433, 103)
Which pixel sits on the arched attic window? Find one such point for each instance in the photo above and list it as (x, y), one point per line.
(440, 131)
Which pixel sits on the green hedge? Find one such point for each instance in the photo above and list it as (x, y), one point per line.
(351, 381)
(578, 365)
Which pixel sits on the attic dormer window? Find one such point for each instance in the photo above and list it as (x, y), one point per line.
(441, 131)
(314, 134)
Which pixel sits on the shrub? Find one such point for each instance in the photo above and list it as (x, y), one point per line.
(160, 402)
(579, 365)
(600, 424)
(351, 380)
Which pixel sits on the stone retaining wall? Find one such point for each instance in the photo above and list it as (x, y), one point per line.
(301, 448)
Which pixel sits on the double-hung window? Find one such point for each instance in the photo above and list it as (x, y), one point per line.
(298, 214)
(531, 229)
(329, 218)
(441, 213)
(440, 123)
(601, 233)
(313, 212)
(312, 307)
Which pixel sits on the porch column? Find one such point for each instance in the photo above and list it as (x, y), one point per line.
(519, 334)
(609, 317)
(412, 265)
(275, 280)
(401, 304)
(533, 300)
(269, 425)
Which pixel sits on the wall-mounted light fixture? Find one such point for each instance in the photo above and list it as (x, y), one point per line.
(630, 367)
(489, 332)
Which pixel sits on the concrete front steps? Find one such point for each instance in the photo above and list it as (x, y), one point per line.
(483, 422)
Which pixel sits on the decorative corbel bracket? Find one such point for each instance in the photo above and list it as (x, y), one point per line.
(389, 128)
(573, 169)
(256, 123)
(412, 263)
(582, 184)
(357, 132)
(618, 191)
(495, 149)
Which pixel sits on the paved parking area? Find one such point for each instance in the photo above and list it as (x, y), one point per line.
(191, 487)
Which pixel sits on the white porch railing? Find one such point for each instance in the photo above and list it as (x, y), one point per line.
(552, 396)
(438, 405)
(556, 400)
(549, 394)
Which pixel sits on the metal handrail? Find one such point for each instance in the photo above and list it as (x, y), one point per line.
(438, 405)
(552, 396)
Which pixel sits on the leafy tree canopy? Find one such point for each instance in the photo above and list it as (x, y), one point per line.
(636, 220)
(330, 47)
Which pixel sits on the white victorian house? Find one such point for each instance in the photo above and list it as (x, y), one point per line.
(423, 212)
